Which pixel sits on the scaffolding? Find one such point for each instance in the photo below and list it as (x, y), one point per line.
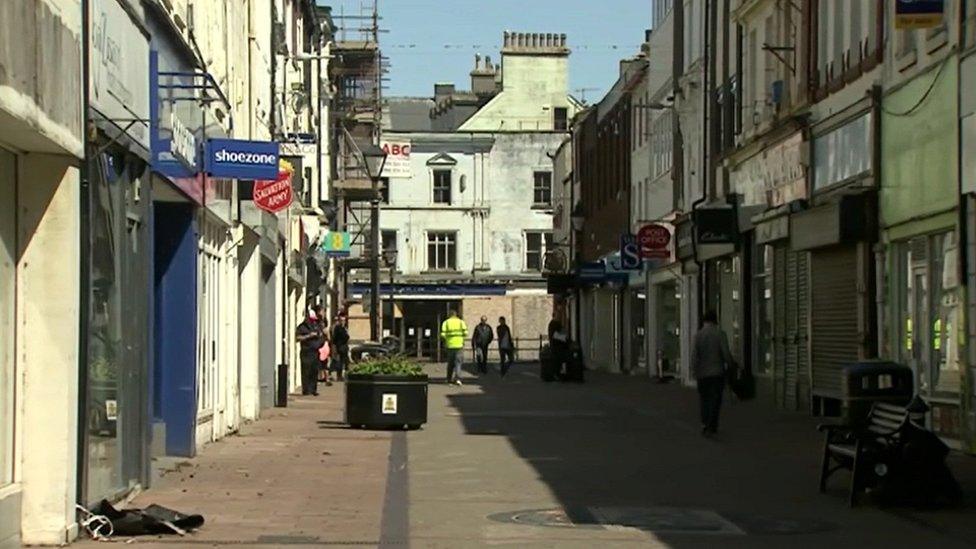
(356, 73)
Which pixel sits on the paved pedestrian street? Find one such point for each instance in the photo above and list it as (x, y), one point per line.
(615, 462)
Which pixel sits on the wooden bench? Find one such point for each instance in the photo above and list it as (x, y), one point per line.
(858, 448)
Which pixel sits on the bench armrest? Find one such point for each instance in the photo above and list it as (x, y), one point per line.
(834, 427)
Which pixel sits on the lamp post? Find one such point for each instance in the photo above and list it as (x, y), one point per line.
(375, 158)
(577, 219)
(390, 260)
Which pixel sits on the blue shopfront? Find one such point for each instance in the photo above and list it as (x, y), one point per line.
(177, 195)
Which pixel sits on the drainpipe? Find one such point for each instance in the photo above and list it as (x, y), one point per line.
(706, 164)
(84, 249)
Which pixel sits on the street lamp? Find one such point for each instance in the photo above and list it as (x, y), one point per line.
(374, 158)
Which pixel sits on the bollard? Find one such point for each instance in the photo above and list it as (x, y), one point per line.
(282, 397)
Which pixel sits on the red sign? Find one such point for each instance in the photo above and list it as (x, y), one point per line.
(274, 196)
(654, 240)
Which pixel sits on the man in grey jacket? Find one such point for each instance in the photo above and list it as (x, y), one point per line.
(711, 362)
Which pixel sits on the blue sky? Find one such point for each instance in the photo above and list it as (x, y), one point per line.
(419, 30)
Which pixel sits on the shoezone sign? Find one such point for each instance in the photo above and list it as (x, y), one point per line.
(275, 195)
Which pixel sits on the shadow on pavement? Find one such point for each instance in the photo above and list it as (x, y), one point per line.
(623, 451)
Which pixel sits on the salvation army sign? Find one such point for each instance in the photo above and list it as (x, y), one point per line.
(654, 241)
(275, 195)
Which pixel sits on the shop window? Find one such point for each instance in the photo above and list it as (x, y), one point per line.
(536, 244)
(442, 251)
(762, 294)
(442, 186)
(928, 312)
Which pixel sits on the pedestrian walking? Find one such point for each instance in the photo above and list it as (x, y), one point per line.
(453, 332)
(558, 347)
(311, 336)
(711, 363)
(325, 351)
(483, 336)
(340, 347)
(506, 346)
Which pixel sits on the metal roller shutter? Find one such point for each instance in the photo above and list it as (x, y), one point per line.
(792, 365)
(802, 339)
(834, 317)
(779, 323)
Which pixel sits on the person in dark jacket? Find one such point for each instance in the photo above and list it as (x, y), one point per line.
(711, 362)
(559, 347)
(481, 339)
(340, 347)
(506, 346)
(311, 336)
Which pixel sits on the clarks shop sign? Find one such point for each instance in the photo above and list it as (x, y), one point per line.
(236, 159)
(119, 65)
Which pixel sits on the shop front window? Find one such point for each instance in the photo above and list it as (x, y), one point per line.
(928, 312)
(763, 306)
(945, 378)
(105, 336)
(669, 327)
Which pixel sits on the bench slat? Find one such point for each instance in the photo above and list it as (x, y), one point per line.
(842, 449)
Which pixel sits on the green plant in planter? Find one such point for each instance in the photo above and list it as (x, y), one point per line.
(388, 366)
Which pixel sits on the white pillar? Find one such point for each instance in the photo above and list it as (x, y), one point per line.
(47, 346)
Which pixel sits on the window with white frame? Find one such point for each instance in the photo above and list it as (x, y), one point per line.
(542, 189)
(661, 144)
(536, 244)
(442, 187)
(442, 251)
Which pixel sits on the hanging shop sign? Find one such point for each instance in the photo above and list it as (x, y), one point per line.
(337, 244)
(397, 159)
(275, 195)
(654, 241)
(238, 159)
(119, 65)
(919, 14)
(715, 225)
(593, 271)
(630, 256)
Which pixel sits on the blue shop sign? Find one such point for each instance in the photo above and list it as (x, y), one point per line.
(237, 159)
(630, 259)
(594, 271)
(176, 122)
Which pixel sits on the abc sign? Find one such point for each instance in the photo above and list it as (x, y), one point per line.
(397, 149)
(654, 240)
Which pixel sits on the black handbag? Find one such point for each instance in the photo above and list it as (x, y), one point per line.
(743, 384)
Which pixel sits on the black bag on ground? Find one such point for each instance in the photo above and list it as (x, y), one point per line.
(917, 473)
(152, 520)
(574, 366)
(742, 383)
(547, 364)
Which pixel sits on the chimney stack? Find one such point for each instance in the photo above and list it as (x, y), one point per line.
(534, 43)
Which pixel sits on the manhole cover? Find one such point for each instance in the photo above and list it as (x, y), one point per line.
(663, 520)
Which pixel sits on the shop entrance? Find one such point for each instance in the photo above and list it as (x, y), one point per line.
(930, 314)
(421, 322)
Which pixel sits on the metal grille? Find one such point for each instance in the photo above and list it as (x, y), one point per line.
(779, 322)
(834, 319)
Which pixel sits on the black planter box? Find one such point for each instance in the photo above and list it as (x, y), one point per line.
(386, 401)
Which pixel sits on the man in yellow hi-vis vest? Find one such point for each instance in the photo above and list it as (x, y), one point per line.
(453, 332)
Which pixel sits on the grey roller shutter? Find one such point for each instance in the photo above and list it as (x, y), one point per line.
(779, 323)
(835, 339)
